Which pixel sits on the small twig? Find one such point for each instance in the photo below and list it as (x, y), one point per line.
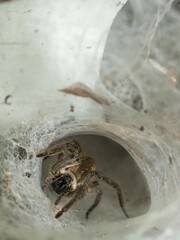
(81, 90)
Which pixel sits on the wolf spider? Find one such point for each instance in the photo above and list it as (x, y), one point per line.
(74, 175)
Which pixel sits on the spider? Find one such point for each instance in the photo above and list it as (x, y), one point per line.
(73, 175)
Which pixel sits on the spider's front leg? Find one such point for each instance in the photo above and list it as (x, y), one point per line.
(50, 151)
(72, 147)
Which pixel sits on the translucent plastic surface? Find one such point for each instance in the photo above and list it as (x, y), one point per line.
(49, 45)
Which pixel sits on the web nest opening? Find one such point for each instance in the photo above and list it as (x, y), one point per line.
(114, 162)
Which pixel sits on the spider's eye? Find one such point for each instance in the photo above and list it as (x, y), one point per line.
(61, 184)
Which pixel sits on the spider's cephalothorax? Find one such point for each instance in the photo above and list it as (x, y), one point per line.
(74, 175)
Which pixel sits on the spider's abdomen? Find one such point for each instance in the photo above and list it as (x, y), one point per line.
(61, 184)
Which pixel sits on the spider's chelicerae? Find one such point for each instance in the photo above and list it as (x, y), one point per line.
(74, 175)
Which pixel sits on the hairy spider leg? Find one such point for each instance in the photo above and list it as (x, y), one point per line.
(59, 198)
(96, 202)
(116, 187)
(58, 148)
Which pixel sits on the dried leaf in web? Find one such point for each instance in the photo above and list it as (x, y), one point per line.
(81, 90)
